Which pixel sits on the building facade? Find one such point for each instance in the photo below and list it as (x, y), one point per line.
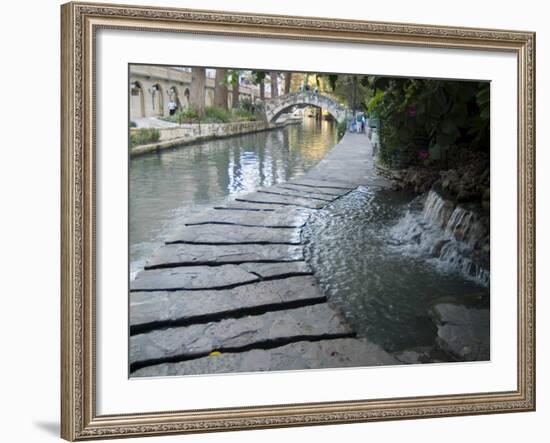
(153, 87)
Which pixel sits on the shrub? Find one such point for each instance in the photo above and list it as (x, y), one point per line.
(248, 105)
(341, 128)
(241, 114)
(421, 120)
(213, 114)
(188, 113)
(144, 136)
(133, 124)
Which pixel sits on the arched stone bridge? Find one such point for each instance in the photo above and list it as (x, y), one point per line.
(278, 105)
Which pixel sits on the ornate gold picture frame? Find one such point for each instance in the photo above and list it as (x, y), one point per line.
(80, 23)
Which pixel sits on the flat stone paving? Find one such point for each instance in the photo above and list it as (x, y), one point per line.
(335, 353)
(231, 292)
(194, 255)
(235, 234)
(180, 307)
(233, 334)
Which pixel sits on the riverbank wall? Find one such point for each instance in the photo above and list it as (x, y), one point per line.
(189, 133)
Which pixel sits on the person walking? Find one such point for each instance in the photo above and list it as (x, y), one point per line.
(358, 122)
(352, 126)
(172, 106)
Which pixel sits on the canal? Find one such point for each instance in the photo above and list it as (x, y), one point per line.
(166, 186)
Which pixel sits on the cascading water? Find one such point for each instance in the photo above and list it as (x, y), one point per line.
(373, 254)
(456, 236)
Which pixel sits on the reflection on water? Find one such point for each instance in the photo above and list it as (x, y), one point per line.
(385, 294)
(167, 185)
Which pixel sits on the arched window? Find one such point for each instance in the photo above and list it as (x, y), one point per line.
(157, 99)
(137, 104)
(186, 94)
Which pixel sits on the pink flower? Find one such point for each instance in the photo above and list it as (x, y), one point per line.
(411, 111)
(423, 154)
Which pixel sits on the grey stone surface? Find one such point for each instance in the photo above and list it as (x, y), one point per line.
(276, 190)
(350, 165)
(464, 332)
(283, 200)
(337, 353)
(266, 270)
(193, 277)
(232, 234)
(218, 254)
(163, 306)
(328, 192)
(284, 218)
(247, 207)
(311, 321)
(323, 184)
(275, 106)
(414, 356)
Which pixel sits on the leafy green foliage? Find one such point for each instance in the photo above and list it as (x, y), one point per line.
(258, 76)
(187, 115)
(341, 129)
(352, 90)
(214, 114)
(249, 105)
(241, 114)
(144, 136)
(426, 118)
(332, 79)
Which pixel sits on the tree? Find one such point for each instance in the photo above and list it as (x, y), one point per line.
(220, 89)
(332, 79)
(235, 83)
(258, 77)
(274, 84)
(197, 92)
(352, 89)
(288, 80)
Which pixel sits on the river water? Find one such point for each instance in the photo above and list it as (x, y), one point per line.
(383, 283)
(171, 184)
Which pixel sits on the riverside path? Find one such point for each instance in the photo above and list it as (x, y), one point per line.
(232, 292)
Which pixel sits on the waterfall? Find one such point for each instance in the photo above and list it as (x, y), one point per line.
(455, 236)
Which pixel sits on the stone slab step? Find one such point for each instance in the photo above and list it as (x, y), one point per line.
(192, 278)
(290, 218)
(250, 208)
(233, 234)
(270, 270)
(188, 254)
(336, 353)
(325, 192)
(275, 190)
(323, 184)
(309, 322)
(262, 198)
(148, 309)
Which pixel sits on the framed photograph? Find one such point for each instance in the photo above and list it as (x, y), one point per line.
(277, 221)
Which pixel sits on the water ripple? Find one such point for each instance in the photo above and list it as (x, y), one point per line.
(385, 294)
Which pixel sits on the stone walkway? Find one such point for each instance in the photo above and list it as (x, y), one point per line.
(231, 291)
(153, 122)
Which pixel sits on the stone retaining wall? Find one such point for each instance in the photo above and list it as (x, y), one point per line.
(193, 132)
